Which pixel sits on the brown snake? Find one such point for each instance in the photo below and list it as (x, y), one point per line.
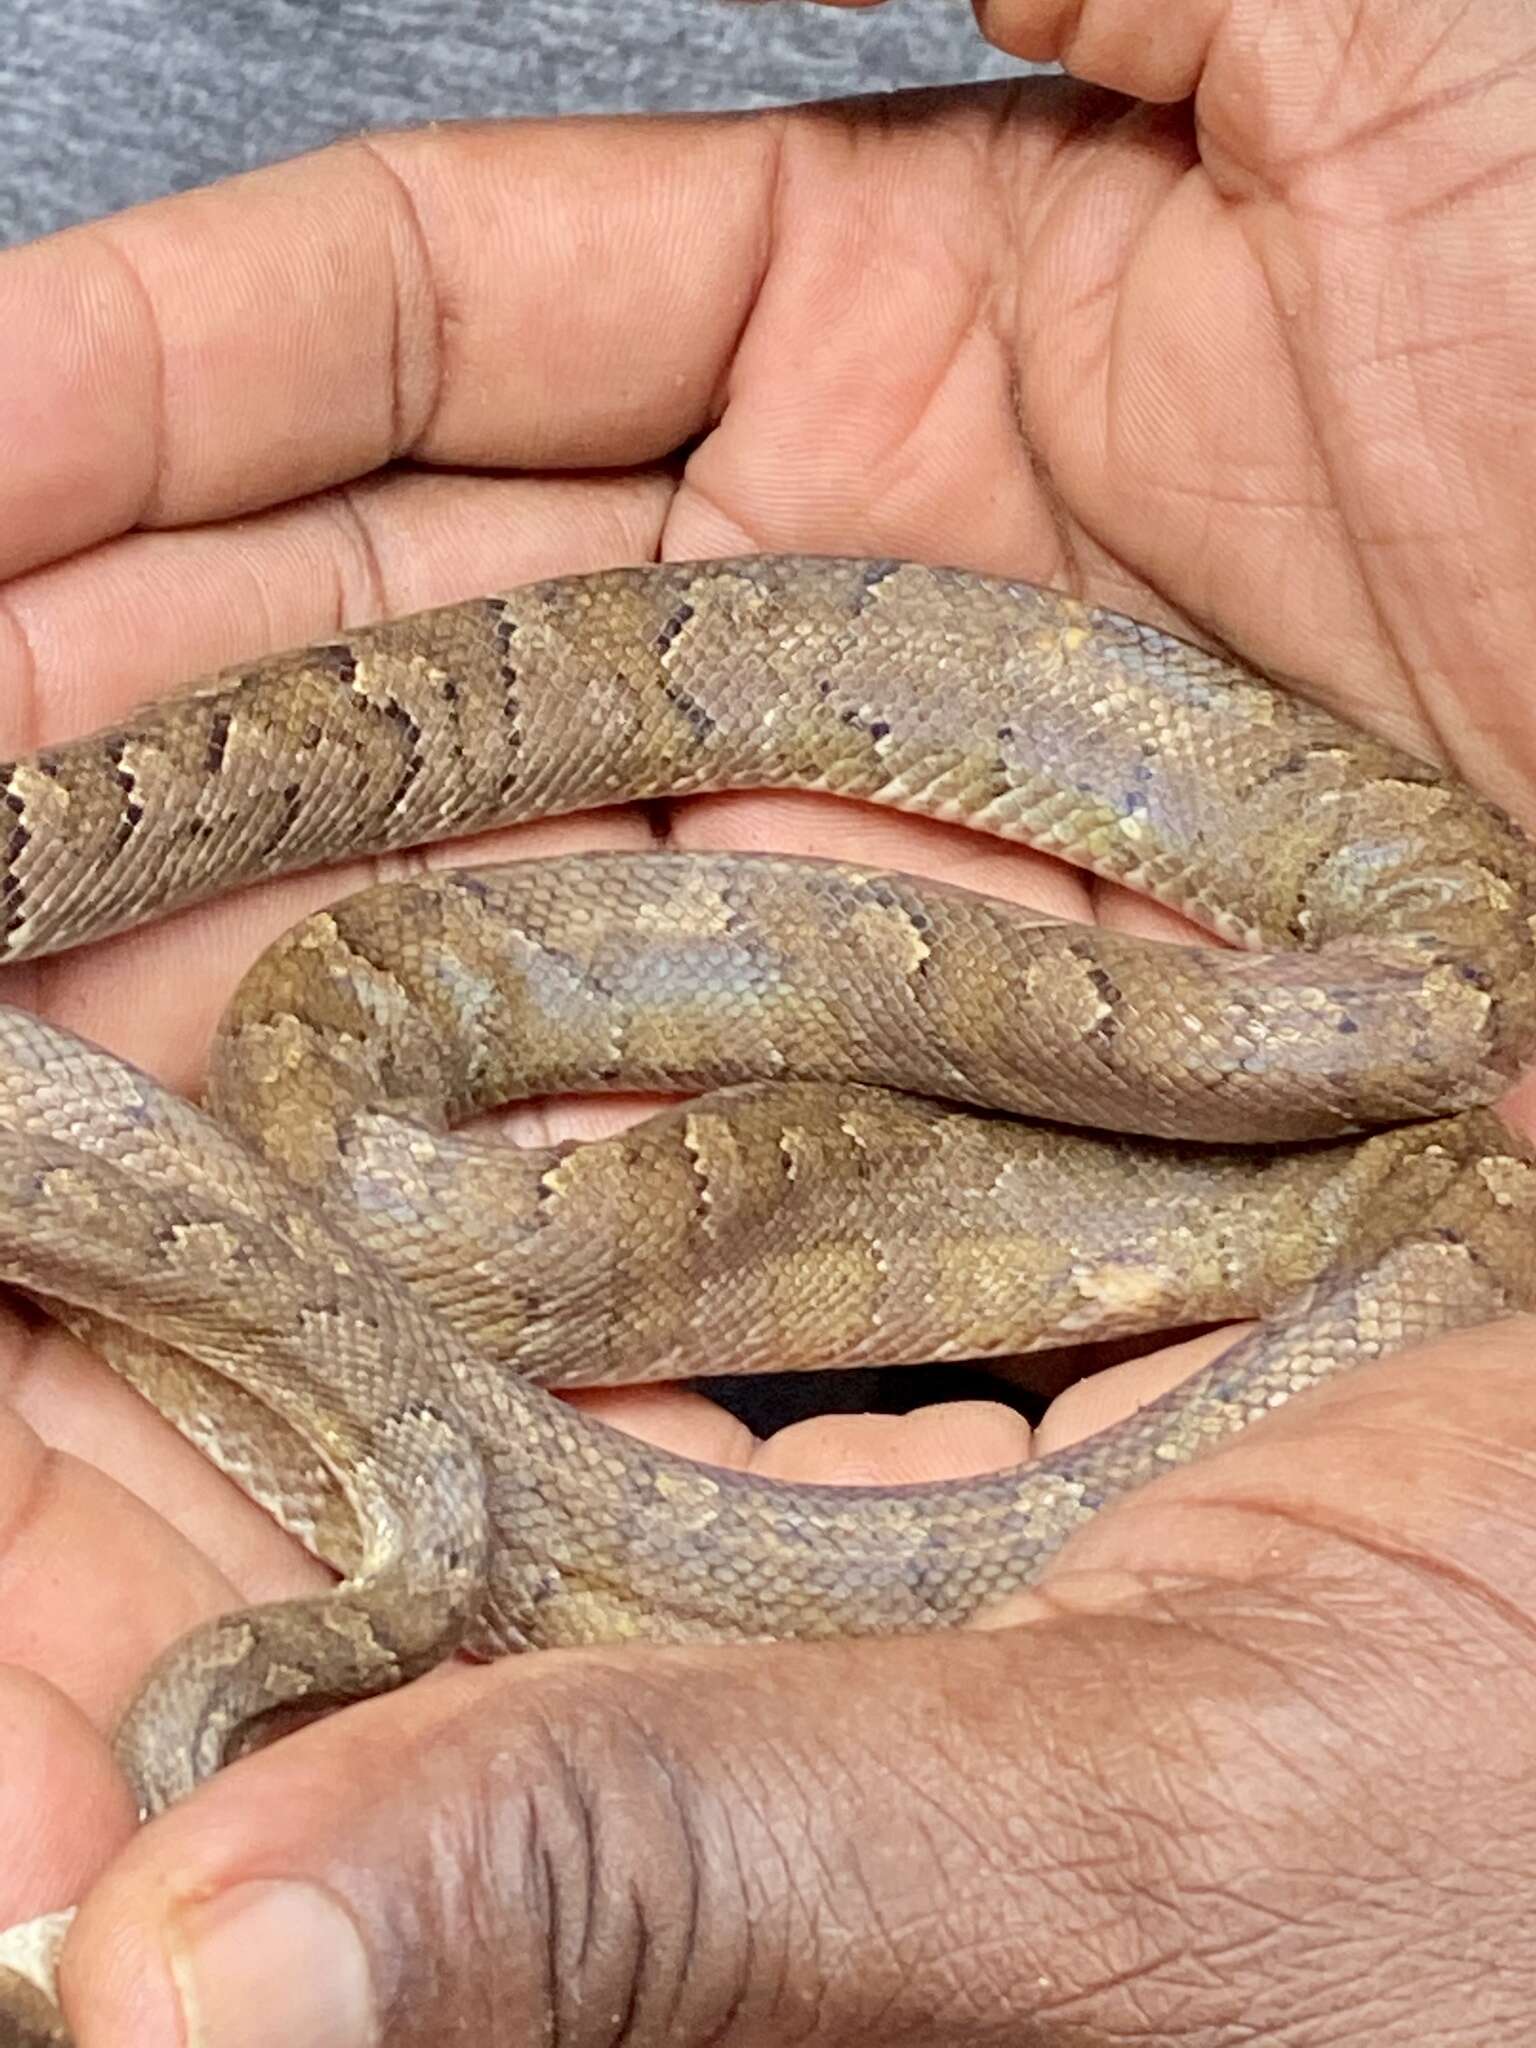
(242, 1268)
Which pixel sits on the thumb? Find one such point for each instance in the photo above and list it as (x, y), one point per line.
(1286, 1693)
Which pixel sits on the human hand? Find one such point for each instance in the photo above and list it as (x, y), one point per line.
(1035, 331)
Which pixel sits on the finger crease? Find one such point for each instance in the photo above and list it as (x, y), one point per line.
(430, 327)
(23, 678)
(153, 494)
(376, 599)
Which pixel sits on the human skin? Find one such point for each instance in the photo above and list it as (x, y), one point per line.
(1259, 1760)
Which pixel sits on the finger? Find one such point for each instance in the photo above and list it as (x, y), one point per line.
(1006, 1834)
(184, 1544)
(1096, 42)
(90, 1473)
(140, 614)
(85, 641)
(76, 1406)
(944, 1440)
(64, 1808)
(1100, 43)
(948, 1440)
(538, 296)
(1103, 1398)
(61, 1617)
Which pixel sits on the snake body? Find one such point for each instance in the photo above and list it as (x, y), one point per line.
(347, 1300)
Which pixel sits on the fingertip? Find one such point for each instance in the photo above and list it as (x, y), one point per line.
(64, 1806)
(1105, 44)
(673, 1419)
(950, 1440)
(1108, 1396)
(1033, 32)
(272, 1961)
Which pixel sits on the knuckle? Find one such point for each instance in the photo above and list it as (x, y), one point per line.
(571, 1883)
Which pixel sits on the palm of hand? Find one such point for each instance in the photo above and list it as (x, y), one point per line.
(1031, 333)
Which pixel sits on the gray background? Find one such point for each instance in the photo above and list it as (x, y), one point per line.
(104, 102)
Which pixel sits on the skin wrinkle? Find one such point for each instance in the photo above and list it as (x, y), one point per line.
(635, 1965)
(483, 1852)
(372, 598)
(1341, 68)
(674, 1951)
(1109, 287)
(540, 1856)
(688, 1941)
(1309, 1677)
(836, 1933)
(1243, 500)
(626, 2019)
(1046, 161)
(767, 1992)
(1354, 1933)
(1271, 182)
(1063, 523)
(1335, 470)
(157, 435)
(582, 1799)
(971, 328)
(268, 632)
(782, 138)
(529, 1874)
(978, 321)
(746, 1973)
(619, 1940)
(1361, 1537)
(1449, 24)
(417, 352)
(1065, 558)
(1183, 1904)
(1303, 1775)
(693, 496)
(1399, 119)
(1490, 178)
(919, 1932)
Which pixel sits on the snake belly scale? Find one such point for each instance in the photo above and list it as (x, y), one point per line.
(347, 1301)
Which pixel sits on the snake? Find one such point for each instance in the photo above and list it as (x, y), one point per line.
(910, 1123)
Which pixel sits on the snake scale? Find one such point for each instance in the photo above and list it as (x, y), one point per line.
(347, 1298)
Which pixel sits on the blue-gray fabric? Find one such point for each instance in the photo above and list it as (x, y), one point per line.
(105, 102)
